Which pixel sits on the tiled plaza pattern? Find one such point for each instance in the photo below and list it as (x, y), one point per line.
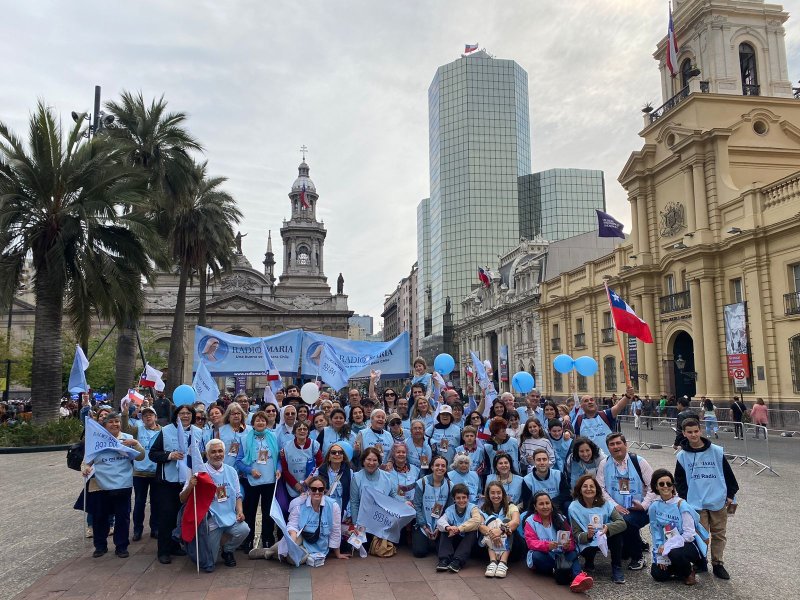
(41, 546)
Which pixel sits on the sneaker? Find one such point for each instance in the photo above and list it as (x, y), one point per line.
(99, 553)
(454, 566)
(443, 564)
(122, 553)
(164, 559)
(720, 571)
(137, 535)
(491, 569)
(617, 575)
(691, 579)
(581, 583)
(636, 565)
(229, 559)
(502, 570)
(266, 553)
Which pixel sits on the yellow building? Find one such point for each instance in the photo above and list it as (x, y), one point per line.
(715, 206)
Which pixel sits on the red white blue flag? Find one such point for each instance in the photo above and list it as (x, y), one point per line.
(470, 48)
(303, 197)
(672, 47)
(483, 275)
(626, 320)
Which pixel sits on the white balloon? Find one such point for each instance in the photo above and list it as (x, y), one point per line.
(309, 392)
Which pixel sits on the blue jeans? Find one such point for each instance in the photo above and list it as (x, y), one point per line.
(545, 562)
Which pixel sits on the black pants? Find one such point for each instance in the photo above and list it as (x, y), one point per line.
(253, 494)
(614, 549)
(681, 559)
(117, 504)
(166, 503)
(421, 544)
(141, 487)
(456, 547)
(738, 429)
(632, 539)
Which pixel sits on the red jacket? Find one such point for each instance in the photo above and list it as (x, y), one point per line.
(534, 543)
(286, 475)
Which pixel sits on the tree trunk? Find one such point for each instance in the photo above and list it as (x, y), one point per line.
(175, 363)
(125, 359)
(46, 370)
(201, 314)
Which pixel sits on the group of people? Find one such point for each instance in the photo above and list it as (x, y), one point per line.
(556, 490)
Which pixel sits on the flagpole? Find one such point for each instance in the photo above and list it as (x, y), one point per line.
(619, 340)
(196, 539)
(83, 524)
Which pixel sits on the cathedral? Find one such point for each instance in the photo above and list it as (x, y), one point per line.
(246, 301)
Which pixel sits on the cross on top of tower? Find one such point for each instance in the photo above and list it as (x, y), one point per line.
(304, 151)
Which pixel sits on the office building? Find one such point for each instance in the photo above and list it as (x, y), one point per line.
(365, 322)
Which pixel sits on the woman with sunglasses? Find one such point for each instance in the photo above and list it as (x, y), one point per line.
(258, 461)
(315, 525)
(271, 412)
(233, 432)
(337, 474)
(677, 534)
(476, 420)
(285, 430)
(299, 459)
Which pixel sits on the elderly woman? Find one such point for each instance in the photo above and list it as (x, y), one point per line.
(419, 451)
(299, 460)
(110, 489)
(445, 436)
(285, 430)
(461, 472)
(370, 475)
(375, 436)
(233, 432)
(404, 475)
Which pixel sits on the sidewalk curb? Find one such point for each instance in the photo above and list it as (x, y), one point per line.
(30, 449)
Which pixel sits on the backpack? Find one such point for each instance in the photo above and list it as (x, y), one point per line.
(75, 456)
(603, 417)
(637, 467)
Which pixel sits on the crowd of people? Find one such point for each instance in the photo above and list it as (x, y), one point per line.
(552, 486)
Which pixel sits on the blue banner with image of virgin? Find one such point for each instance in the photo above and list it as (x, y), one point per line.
(392, 358)
(225, 354)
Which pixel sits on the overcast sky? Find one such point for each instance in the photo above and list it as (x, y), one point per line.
(348, 79)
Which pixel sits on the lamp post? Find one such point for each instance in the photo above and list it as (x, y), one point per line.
(98, 120)
(8, 352)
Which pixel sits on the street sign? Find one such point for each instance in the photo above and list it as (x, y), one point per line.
(739, 373)
(740, 383)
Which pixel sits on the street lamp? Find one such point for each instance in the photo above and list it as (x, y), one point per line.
(97, 120)
(680, 363)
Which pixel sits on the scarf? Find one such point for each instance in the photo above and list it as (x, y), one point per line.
(251, 445)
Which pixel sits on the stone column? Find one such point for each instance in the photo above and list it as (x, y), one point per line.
(644, 230)
(711, 339)
(698, 336)
(688, 192)
(700, 202)
(635, 227)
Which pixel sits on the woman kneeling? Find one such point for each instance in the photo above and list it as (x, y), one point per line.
(551, 547)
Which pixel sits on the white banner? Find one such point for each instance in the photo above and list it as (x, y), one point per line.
(382, 515)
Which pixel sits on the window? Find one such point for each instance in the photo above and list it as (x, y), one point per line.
(794, 360)
(669, 284)
(686, 66)
(303, 257)
(796, 277)
(610, 373)
(736, 290)
(578, 325)
(555, 330)
(558, 381)
(684, 282)
(607, 320)
(583, 384)
(747, 67)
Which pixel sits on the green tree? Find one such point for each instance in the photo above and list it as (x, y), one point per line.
(202, 237)
(64, 201)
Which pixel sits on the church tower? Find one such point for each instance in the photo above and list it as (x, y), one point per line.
(303, 239)
(269, 260)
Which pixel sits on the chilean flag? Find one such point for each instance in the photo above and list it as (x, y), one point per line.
(483, 275)
(152, 378)
(625, 319)
(303, 197)
(470, 48)
(672, 47)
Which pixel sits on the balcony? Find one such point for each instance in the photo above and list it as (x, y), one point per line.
(675, 302)
(580, 340)
(751, 90)
(607, 336)
(669, 105)
(555, 344)
(791, 303)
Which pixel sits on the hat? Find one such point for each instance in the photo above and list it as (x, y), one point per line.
(149, 409)
(394, 417)
(445, 410)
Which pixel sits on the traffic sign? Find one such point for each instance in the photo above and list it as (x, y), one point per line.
(739, 373)
(740, 383)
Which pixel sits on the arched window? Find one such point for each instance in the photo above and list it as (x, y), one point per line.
(794, 360)
(686, 66)
(303, 256)
(747, 67)
(610, 373)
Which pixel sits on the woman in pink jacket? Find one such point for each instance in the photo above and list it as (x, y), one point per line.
(551, 546)
(758, 415)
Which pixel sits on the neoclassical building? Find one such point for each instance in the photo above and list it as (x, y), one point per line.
(715, 205)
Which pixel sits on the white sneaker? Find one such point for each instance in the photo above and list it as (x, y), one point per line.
(491, 569)
(265, 553)
(502, 570)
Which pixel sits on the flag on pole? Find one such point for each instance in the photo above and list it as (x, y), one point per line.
(135, 397)
(484, 277)
(273, 375)
(99, 439)
(470, 48)
(295, 552)
(672, 47)
(608, 226)
(183, 467)
(205, 385)
(152, 378)
(626, 320)
(484, 382)
(198, 466)
(303, 197)
(205, 492)
(77, 375)
(331, 369)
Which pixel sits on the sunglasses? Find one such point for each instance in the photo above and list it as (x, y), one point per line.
(316, 490)
(337, 452)
(664, 484)
(390, 394)
(396, 423)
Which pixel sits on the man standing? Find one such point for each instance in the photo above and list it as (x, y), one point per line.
(596, 424)
(648, 411)
(739, 410)
(625, 479)
(531, 409)
(684, 412)
(705, 479)
(163, 408)
(353, 399)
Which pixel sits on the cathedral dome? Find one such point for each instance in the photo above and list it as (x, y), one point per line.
(303, 178)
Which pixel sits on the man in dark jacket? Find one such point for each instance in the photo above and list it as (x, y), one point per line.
(739, 410)
(163, 408)
(684, 412)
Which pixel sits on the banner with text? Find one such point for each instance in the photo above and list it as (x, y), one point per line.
(227, 354)
(736, 342)
(392, 358)
(382, 515)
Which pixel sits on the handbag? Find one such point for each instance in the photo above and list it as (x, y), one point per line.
(382, 548)
(75, 456)
(563, 571)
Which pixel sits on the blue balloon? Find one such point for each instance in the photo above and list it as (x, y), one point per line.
(184, 394)
(563, 363)
(586, 366)
(444, 364)
(523, 382)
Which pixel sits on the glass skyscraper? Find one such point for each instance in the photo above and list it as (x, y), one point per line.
(560, 203)
(479, 146)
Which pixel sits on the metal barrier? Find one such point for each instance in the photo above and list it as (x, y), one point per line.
(751, 444)
(785, 421)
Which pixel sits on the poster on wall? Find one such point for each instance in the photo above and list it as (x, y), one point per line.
(633, 361)
(737, 348)
(504, 363)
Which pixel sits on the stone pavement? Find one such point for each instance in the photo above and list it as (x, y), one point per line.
(43, 554)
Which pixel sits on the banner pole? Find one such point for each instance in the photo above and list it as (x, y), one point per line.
(619, 339)
(196, 540)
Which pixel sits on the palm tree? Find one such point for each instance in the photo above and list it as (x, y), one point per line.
(62, 202)
(156, 142)
(202, 238)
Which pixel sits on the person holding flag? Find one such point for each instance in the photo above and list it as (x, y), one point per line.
(145, 431)
(108, 460)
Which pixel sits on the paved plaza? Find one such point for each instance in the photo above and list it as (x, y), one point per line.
(43, 553)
